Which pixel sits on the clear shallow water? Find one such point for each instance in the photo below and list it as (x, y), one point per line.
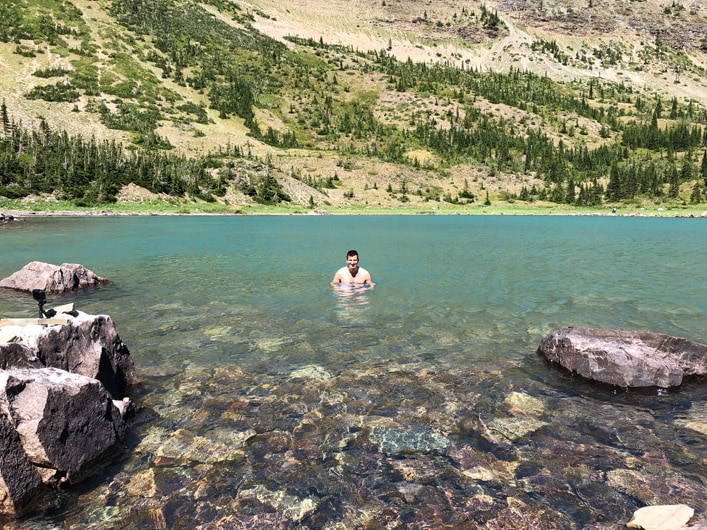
(469, 296)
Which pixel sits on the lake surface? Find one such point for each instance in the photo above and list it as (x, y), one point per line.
(272, 400)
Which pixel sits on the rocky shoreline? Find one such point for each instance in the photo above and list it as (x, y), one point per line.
(20, 215)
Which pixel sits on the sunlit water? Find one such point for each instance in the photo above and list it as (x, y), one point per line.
(467, 295)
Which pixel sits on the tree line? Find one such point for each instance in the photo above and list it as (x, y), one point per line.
(91, 172)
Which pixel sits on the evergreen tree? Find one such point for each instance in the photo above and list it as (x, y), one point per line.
(674, 109)
(613, 190)
(674, 179)
(686, 173)
(6, 126)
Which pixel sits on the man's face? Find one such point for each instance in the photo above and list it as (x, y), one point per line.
(352, 263)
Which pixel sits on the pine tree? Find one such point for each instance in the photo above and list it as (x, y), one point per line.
(674, 109)
(674, 177)
(613, 190)
(6, 126)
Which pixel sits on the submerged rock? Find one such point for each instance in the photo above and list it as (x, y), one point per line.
(625, 358)
(398, 446)
(51, 278)
(417, 440)
(672, 517)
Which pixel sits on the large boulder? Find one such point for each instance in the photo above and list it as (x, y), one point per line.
(51, 278)
(19, 479)
(67, 423)
(625, 358)
(87, 345)
(63, 385)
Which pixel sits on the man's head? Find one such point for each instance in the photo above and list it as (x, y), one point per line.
(352, 260)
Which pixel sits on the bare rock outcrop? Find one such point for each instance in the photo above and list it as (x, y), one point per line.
(625, 358)
(51, 278)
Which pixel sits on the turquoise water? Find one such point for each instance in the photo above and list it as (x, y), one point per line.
(455, 289)
(465, 295)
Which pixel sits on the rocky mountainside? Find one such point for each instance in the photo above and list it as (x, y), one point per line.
(324, 98)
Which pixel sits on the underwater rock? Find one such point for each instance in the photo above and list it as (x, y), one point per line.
(183, 447)
(51, 278)
(653, 485)
(310, 372)
(672, 517)
(292, 507)
(695, 419)
(522, 403)
(625, 358)
(392, 446)
(511, 428)
(399, 442)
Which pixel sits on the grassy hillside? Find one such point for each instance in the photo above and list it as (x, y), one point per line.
(377, 105)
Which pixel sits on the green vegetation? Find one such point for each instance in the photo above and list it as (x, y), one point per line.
(581, 144)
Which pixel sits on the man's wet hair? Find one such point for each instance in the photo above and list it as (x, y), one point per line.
(351, 253)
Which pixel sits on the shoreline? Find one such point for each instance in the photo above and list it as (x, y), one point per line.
(143, 209)
(21, 215)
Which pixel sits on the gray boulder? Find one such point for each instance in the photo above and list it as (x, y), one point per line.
(87, 345)
(67, 423)
(19, 480)
(59, 422)
(51, 278)
(625, 358)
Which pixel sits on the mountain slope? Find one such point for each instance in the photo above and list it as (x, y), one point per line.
(386, 103)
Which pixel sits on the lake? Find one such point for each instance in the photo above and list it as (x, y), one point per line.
(272, 400)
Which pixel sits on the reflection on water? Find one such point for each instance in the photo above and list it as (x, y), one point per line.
(351, 303)
(271, 403)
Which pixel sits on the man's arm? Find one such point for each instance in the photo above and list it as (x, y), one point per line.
(337, 278)
(367, 279)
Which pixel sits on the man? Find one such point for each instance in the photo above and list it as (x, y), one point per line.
(352, 274)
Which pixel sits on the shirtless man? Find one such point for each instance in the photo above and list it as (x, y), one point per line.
(352, 274)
